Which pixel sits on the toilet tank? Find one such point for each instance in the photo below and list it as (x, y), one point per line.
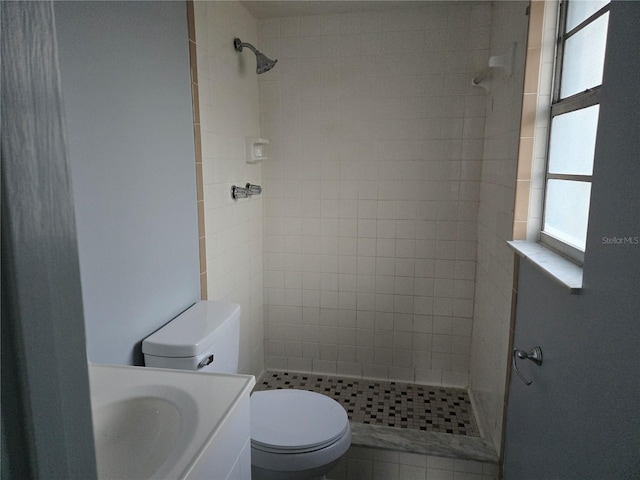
(205, 337)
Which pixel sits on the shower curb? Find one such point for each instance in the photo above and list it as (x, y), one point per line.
(462, 447)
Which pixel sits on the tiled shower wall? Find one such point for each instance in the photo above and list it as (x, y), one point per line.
(494, 276)
(229, 111)
(371, 190)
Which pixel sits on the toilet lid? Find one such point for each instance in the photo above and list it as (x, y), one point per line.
(295, 420)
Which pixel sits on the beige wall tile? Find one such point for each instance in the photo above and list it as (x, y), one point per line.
(203, 255)
(199, 183)
(523, 189)
(203, 286)
(532, 70)
(519, 230)
(198, 143)
(528, 120)
(536, 24)
(191, 23)
(201, 224)
(525, 158)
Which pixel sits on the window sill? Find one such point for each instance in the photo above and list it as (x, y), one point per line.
(555, 266)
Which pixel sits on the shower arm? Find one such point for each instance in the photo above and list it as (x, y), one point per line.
(239, 44)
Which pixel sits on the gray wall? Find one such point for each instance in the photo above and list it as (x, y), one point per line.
(579, 419)
(127, 97)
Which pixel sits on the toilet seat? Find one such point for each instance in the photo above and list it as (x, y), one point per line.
(295, 421)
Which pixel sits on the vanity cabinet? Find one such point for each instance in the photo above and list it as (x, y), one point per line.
(228, 455)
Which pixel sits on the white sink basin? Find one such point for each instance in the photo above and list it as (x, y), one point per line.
(155, 423)
(149, 426)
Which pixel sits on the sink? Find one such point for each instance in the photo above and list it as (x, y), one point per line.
(134, 436)
(138, 427)
(153, 423)
(148, 425)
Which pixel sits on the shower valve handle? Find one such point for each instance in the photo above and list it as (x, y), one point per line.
(239, 192)
(253, 189)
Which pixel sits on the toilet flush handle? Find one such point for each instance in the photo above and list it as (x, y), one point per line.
(206, 361)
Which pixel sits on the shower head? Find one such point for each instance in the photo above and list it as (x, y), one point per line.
(263, 63)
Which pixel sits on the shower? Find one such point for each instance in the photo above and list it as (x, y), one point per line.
(263, 63)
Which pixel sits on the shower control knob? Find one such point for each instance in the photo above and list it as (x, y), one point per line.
(253, 189)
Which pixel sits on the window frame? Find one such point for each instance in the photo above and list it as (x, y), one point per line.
(559, 106)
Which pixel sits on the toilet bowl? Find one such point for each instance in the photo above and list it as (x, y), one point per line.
(295, 434)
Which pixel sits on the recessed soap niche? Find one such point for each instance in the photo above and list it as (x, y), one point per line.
(255, 149)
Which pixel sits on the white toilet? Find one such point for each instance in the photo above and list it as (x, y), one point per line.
(295, 434)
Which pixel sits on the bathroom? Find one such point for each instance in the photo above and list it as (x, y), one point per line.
(388, 174)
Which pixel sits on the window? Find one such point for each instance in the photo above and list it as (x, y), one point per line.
(574, 120)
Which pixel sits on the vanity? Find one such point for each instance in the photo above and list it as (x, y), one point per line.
(157, 423)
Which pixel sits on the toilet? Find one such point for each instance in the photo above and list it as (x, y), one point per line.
(295, 434)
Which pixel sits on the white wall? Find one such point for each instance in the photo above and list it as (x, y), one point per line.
(127, 99)
(372, 190)
(494, 276)
(228, 100)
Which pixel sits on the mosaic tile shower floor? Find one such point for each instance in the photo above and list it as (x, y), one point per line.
(402, 405)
